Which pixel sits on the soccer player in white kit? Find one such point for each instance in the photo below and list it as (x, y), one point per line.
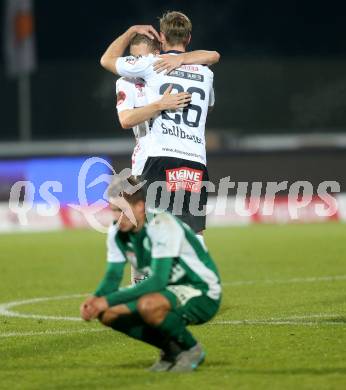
(131, 95)
(177, 144)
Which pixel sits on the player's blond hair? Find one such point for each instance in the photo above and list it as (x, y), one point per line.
(176, 27)
(153, 44)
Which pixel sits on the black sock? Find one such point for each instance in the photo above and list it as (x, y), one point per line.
(133, 326)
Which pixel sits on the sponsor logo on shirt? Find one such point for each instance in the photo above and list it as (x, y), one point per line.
(179, 132)
(121, 96)
(192, 68)
(187, 75)
(131, 60)
(184, 178)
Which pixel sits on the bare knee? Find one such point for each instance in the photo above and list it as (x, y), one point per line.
(153, 308)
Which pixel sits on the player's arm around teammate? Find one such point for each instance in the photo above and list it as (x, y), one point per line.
(132, 117)
(167, 63)
(117, 48)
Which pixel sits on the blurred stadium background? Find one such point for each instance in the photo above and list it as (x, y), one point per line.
(280, 86)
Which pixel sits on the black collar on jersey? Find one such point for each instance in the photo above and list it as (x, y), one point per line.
(171, 51)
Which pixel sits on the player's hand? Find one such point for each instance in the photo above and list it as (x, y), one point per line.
(147, 30)
(97, 306)
(85, 309)
(168, 62)
(174, 101)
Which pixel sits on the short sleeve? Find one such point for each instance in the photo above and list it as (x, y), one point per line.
(114, 254)
(166, 236)
(125, 95)
(135, 66)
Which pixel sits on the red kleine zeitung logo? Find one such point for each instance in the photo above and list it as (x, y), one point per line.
(184, 178)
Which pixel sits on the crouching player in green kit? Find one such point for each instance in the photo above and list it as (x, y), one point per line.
(183, 286)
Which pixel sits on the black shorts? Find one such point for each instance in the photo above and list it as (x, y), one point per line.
(179, 188)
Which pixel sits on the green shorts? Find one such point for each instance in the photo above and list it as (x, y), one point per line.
(190, 303)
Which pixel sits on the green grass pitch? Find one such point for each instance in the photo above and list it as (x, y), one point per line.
(282, 324)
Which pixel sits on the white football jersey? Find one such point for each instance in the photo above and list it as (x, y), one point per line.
(178, 133)
(131, 93)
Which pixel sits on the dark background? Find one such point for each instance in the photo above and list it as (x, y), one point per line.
(81, 29)
(282, 70)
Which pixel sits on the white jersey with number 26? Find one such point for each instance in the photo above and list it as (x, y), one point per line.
(178, 133)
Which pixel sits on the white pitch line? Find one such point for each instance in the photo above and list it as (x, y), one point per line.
(290, 320)
(294, 318)
(281, 322)
(287, 281)
(50, 332)
(308, 316)
(4, 308)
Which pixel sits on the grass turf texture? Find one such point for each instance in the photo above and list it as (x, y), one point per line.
(278, 260)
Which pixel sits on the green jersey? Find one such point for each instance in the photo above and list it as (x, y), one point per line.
(165, 237)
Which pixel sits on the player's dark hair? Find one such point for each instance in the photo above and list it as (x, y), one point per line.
(153, 44)
(176, 27)
(131, 189)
